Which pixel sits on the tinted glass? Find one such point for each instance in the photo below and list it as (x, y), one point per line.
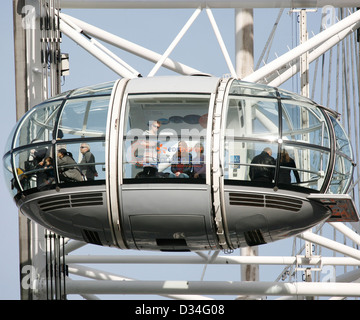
(165, 136)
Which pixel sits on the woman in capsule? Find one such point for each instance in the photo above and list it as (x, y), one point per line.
(68, 169)
(181, 166)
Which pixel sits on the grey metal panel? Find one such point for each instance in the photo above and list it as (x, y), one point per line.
(285, 224)
(149, 209)
(268, 215)
(195, 84)
(181, 232)
(78, 213)
(242, 219)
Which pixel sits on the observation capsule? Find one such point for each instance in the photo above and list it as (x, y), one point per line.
(180, 164)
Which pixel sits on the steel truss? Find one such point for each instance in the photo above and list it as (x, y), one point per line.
(72, 267)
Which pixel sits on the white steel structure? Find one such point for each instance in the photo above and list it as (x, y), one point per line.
(320, 263)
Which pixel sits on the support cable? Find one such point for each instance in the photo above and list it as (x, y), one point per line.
(95, 50)
(269, 41)
(175, 42)
(131, 47)
(221, 43)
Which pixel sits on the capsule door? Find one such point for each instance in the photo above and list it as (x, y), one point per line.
(164, 197)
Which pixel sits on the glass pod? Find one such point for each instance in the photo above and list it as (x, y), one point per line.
(180, 163)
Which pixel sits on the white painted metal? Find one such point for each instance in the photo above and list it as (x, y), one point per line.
(114, 146)
(352, 276)
(131, 47)
(175, 42)
(313, 55)
(244, 42)
(312, 43)
(214, 288)
(216, 156)
(108, 276)
(72, 245)
(219, 260)
(221, 42)
(244, 64)
(346, 231)
(95, 51)
(150, 4)
(100, 46)
(331, 244)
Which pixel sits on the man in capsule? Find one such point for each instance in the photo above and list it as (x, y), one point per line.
(264, 166)
(87, 162)
(149, 144)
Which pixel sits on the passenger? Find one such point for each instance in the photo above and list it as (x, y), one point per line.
(23, 178)
(150, 155)
(36, 156)
(181, 166)
(68, 169)
(48, 169)
(59, 137)
(285, 174)
(87, 162)
(199, 165)
(265, 166)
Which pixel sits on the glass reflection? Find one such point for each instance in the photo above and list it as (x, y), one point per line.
(81, 161)
(304, 123)
(38, 125)
(13, 184)
(269, 135)
(166, 136)
(84, 118)
(344, 167)
(249, 160)
(252, 117)
(342, 174)
(247, 88)
(99, 89)
(253, 139)
(34, 167)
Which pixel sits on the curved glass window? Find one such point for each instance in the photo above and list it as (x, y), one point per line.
(274, 138)
(73, 123)
(41, 166)
(95, 90)
(248, 88)
(32, 168)
(304, 123)
(83, 118)
(252, 117)
(344, 167)
(10, 139)
(165, 137)
(38, 125)
(12, 182)
(81, 161)
(240, 161)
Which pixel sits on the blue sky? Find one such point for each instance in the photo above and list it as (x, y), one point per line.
(154, 29)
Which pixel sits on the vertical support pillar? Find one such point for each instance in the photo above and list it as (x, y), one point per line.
(22, 105)
(305, 91)
(30, 81)
(244, 59)
(244, 42)
(304, 62)
(54, 44)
